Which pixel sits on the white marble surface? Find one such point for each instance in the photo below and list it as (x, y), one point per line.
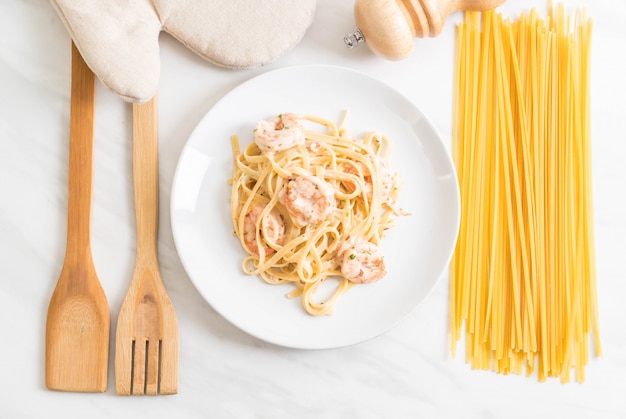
(224, 373)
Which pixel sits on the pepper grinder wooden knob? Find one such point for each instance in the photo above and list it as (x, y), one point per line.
(389, 27)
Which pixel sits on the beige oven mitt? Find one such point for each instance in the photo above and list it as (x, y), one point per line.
(119, 39)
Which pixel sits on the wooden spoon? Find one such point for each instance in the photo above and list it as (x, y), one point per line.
(78, 323)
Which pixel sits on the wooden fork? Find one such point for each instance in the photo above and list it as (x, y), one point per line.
(78, 322)
(146, 353)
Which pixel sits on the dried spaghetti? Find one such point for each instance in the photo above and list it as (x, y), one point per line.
(522, 279)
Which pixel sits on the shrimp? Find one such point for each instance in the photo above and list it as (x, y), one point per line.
(386, 177)
(279, 133)
(272, 229)
(360, 260)
(358, 168)
(308, 199)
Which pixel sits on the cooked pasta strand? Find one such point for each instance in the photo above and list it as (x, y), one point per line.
(298, 203)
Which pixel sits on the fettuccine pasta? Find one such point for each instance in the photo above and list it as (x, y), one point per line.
(310, 204)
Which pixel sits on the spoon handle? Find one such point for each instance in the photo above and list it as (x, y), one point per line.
(80, 157)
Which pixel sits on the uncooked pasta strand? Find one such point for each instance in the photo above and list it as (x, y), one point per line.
(522, 278)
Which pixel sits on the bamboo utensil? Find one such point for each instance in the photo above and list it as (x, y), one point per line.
(389, 27)
(146, 355)
(78, 322)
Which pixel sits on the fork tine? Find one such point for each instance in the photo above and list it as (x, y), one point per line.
(123, 358)
(169, 361)
(138, 368)
(152, 364)
(145, 368)
(147, 332)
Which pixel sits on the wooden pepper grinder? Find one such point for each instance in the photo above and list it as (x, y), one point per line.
(390, 26)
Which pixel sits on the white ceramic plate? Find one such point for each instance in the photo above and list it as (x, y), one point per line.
(417, 250)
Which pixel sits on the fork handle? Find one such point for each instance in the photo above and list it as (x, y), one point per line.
(146, 176)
